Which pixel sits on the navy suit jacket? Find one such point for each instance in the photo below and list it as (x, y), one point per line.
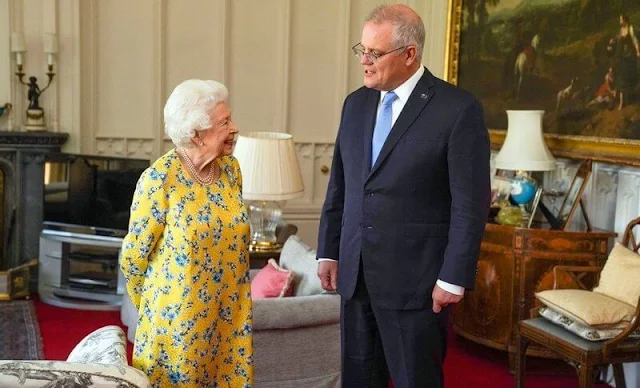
(419, 213)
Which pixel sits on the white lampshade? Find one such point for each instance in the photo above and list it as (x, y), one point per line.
(50, 43)
(17, 43)
(269, 164)
(524, 147)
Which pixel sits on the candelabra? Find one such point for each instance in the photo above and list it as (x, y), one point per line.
(34, 113)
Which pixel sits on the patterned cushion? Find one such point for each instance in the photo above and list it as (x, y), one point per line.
(586, 307)
(619, 277)
(586, 332)
(106, 345)
(301, 259)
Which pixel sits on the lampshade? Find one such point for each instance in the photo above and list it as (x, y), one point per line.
(269, 164)
(50, 43)
(524, 147)
(17, 43)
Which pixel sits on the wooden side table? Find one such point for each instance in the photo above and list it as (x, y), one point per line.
(514, 264)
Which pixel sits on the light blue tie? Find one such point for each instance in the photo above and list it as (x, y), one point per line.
(383, 126)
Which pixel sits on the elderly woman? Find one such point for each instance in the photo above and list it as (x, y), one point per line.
(185, 258)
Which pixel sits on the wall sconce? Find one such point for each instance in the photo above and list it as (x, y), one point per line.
(5, 108)
(35, 113)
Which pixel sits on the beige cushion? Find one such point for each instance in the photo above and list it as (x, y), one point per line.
(586, 307)
(620, 277)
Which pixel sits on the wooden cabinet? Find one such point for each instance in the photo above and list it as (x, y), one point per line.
(514, 264)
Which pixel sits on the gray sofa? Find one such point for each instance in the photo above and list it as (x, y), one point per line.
(296, 339)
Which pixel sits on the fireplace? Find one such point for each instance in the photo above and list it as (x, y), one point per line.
(22, 156)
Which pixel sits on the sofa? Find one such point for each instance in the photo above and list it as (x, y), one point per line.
(296, 338)
(99, 360)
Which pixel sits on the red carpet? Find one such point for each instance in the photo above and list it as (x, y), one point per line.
(62, 329)
(467, 364)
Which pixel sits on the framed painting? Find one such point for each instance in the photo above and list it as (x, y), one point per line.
(578, 60)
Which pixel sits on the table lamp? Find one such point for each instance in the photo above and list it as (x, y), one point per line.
(270, 176)
(524, 150)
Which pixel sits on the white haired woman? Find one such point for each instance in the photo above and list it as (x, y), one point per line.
(185, 258)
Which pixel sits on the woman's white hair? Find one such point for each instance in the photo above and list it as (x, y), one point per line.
(188, 107)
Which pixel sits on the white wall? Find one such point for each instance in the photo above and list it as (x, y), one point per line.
(287, 63)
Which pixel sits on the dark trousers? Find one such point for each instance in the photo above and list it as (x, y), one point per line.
(407, 345)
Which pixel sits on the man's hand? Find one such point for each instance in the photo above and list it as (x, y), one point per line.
(442, 298)
(328, 274)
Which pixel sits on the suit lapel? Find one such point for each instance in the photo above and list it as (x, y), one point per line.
(371, 110)
(417, 101)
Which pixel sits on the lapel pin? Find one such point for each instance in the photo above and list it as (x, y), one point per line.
(424, 96)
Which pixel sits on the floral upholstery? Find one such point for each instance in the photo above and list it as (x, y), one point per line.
(99, 360)
(107, 345)
(586, 332)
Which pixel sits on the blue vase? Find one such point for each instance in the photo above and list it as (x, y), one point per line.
(523, 189)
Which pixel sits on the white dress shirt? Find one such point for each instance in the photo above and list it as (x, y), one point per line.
(404, 92)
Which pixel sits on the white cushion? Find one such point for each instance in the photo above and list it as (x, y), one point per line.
(301, 259)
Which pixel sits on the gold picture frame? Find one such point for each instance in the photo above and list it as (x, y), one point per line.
(574, 197)
(601, 149)
(14, 283)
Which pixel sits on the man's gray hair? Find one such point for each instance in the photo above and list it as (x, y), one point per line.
(408, 26)
(188, 107)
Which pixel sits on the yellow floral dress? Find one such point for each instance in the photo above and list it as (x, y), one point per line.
(186, 266)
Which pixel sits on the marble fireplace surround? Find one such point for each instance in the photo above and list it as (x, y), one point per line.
(22, 156)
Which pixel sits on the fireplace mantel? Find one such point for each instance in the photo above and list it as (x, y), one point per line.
(33, 139)
(22, 156)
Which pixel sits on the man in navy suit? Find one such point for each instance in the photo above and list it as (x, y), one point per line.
(405, 210)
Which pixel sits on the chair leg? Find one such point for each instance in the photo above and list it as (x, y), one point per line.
(521, 358)
(585, 374)
(618, 376)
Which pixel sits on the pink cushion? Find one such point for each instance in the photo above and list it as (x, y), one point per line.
(272, 281)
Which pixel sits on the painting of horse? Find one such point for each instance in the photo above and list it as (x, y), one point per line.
(578, 60)
(525, 63)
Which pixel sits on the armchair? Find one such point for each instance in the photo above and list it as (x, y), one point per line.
(585, 355)
(99, 360)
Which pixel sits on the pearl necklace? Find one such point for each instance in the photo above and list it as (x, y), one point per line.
(194, 172)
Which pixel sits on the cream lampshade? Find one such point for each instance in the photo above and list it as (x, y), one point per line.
(18, 46)
(270, 176)
(524, 147)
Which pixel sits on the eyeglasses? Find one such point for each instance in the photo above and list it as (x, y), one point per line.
(358, 50)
